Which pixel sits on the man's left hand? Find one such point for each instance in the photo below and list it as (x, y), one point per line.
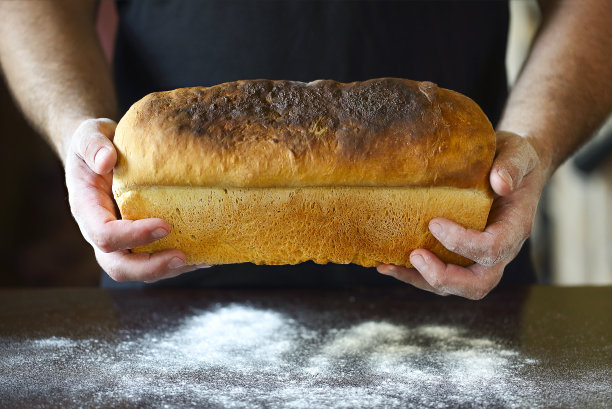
(517, 178)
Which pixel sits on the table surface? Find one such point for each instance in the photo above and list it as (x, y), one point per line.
(519, 347)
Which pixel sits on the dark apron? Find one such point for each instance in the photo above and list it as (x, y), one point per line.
(163, 45)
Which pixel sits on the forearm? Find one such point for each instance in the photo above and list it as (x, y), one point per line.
(565, 89)
(54, 65)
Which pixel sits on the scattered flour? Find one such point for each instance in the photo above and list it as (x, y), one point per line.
(239, 356)
(54, 342)
(235, 338)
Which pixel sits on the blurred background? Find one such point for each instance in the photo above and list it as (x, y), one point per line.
(42, 246)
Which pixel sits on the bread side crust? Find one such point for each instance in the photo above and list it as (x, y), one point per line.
(368, 226)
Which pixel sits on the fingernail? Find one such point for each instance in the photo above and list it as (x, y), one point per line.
(102, 154)
(503, 173)
(387, 270)
(203, 265)
(418, 261)
(176, 263)
(436, 229)
(159, 233)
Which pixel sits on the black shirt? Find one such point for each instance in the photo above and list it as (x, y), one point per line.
(163, 45)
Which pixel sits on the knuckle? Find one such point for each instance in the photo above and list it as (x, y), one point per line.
(451, 245)
(79, 139)
(153, 278)
(92, 144)
(478, 294)
(529, 150)
(451, 241)
(155, 274)
(117, 275)
(439, 283)
(112, 268)
(103, 242)
(455, 239)
(492, 256)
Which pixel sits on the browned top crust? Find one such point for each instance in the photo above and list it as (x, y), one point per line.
(263, 133)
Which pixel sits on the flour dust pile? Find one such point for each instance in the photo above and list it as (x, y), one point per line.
(239, 356)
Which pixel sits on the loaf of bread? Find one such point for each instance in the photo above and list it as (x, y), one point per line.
(281, 172)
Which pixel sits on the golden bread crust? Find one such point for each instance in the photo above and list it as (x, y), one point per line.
(262, 133)
(281, 172)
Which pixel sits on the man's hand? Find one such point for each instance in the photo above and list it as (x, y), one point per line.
(517, 177)
(561, 96)
(90, 159)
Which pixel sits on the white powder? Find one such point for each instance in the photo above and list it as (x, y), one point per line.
(239, 356)
(54, 342)
(236, 338)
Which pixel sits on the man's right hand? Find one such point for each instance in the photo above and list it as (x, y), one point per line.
(89, 166)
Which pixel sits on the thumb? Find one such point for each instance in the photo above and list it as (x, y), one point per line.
(515, 158)
(93, 144)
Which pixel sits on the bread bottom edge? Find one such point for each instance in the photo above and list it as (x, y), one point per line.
(368, 226)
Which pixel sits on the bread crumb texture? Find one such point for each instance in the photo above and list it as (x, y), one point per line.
(366, 226)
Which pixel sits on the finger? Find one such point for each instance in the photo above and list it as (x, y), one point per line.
(472, 244)
(117, 235)
(102, 230)
(474, 282)
(125, 266)
(501, 239)
(515, 159)
(94, 210)
(93, 144)
(408, 275)
(176, 272)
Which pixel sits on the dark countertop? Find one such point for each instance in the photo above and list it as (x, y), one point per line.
(519, 347)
